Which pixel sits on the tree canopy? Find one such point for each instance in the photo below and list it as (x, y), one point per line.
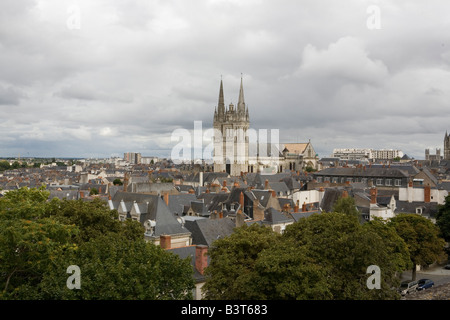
(421, 237)
(324, 256)
(40, 239)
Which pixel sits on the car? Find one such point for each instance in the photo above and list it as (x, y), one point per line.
(408, 287)
(425, 284)
(447, 266)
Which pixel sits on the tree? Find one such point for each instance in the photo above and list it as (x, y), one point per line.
(94, 191)
(346, 205)
(39, 239)
(4, 165)
(29, 242)
(231, 272)
(115, 268)
(117, 182)
(443, 219)
(421, 237)
(324, 256)
(345, 249)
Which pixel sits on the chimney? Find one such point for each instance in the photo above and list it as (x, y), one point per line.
(241, 200)
(258, 213)
(239, 219)
(165, 241)
(166, 198)
(81, 194)
(201, 258)
(266, 184)
(274, 194)
(345, 194)
(200, 176)
(224, 183)
(296, 207)
(373, 196)
(125, 182)
(220, 214)
(191, 191)
(304, 207)
(427, 194)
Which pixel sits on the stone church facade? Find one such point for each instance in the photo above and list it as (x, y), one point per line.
(237, 150)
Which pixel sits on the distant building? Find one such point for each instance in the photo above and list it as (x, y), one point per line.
(432, 157)
(132, 157)
(370, 154)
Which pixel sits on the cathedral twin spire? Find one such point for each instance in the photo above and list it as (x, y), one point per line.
(242, 110)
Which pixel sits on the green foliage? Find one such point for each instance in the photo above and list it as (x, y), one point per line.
(346, 205)
(39, 239)
(94, 191)
(117, 182)
(324, 256)
(443, 219)
(4, 165)
(232, 265)
(421, 237)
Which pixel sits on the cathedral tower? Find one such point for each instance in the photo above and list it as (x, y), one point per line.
(446, 146)
(230, 135)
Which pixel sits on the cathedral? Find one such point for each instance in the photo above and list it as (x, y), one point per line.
(446, 146)
(238, 149)
(230, 135)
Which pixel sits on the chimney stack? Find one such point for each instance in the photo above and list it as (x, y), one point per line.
(373, 196)
(427, 194)
(165, 241)
(345, 194)
(201, 258)
(296, 207)
(266, 184)
(258, 213)
(239, 219)
(304, 207)
(241, 200)
(166, 198)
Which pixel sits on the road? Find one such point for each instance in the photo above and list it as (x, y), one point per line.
(437, 273)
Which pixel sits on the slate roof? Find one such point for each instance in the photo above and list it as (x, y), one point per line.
(189, 252)
(206, 231)
(330, 196)
(274, 216)
(154, 209)
(177, 202)
(428, 209)
(300, 215)
(375, 171)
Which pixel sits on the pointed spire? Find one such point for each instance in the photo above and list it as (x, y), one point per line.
(241, 102)
(221, 98)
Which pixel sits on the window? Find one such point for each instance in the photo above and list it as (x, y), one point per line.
(388, 182)
(334, 180)
(419, 210)
(379, 182)
(398, 182)
(350, 180)
(364, 180)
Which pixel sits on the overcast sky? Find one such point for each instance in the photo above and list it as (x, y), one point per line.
(84, 78)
